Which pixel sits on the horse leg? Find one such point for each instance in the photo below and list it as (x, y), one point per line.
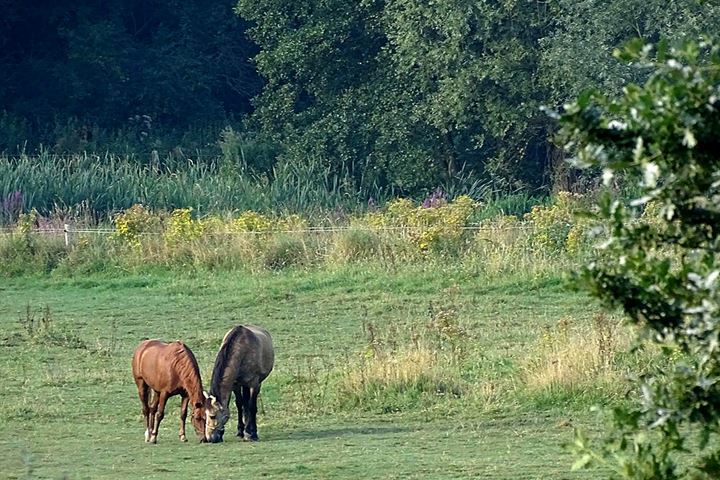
(152, 409)
(159, 415)
(183, 415)
(251, 409)
(143, 394)
(239, 400)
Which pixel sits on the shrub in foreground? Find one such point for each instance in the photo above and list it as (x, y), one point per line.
(661, 271)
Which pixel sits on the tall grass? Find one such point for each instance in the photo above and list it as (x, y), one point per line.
(109, 183)
(400, 233)
(579, 362)
(427, 364)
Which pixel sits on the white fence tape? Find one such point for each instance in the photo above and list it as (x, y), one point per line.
(108, 231)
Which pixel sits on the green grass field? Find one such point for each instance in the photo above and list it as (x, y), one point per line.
(69, 407)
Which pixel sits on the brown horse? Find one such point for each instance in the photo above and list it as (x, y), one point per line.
(245, 359)
(168, 369)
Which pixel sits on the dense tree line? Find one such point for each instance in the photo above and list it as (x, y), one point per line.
(401, 93)
(120, 64)
(417, 92)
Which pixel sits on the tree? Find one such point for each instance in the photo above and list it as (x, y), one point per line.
(659, 260)
(179, 63)
(469, 74)
(577, 54)
(408, 94)
(403, 93)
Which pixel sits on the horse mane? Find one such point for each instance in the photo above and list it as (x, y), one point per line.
(187, 361)
(221, 361)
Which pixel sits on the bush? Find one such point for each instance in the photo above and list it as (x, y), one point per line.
(401, 232)
(30, 253)
(662, 268)
(557, 228)
(134, 222)
(436, 226)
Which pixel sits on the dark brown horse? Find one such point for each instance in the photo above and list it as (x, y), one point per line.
(245, 359)
(165, 370)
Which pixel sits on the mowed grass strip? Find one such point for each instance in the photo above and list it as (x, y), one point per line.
(69, 405)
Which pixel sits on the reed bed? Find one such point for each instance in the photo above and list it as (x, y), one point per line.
(108, 183)
(105, 184)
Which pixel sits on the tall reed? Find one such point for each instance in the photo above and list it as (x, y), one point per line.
(109, 183)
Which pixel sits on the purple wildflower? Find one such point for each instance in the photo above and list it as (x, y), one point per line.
(435, 199)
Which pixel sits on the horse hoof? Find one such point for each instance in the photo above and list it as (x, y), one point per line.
(153, 439)
(147, 436)
(183, 438)
(251, 438)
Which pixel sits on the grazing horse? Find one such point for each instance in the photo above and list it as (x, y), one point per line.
(245, 359)
(165, 370)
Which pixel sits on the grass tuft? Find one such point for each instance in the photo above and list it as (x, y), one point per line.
(573, 357)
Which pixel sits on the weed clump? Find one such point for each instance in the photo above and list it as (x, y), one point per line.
(355, 244)
(284, 251)
(577, 358)
(402, 369)
(42, 330)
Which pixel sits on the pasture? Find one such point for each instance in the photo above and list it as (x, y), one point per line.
(69, 406)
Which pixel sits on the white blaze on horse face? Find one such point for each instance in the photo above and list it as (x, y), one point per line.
(215, 417)
(209, 428)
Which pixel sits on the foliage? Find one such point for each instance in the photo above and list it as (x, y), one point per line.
(11, 206)
(435, 225)
(182, 227)
(286, 251)
(30, 254)
(247, 151)
(586, 357)
(395, 373)
(435, 231)
(250, 221)
(130, 66)
(660, 266)
(556, 226)
(356, 244)
(26, 222)
(577, 55)
(134, 222)
(401, 94)
(414, 95)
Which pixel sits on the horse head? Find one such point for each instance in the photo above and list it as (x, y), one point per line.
(215, 419)
(205, 414)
